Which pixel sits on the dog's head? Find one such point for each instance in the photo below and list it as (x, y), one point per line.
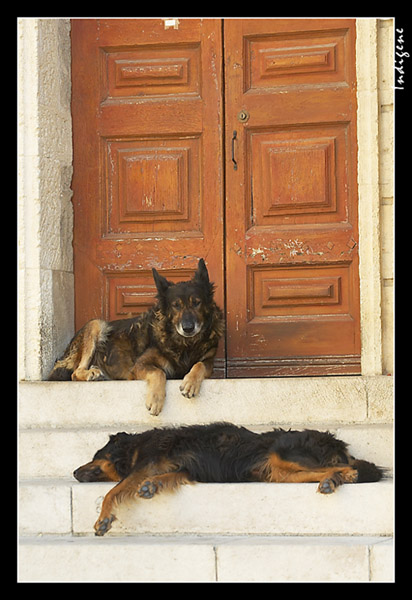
(110, 463)
(187, 303)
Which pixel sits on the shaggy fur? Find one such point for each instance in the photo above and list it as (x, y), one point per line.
(176, 339)
(161, 460)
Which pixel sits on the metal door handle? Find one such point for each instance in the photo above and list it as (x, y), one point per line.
(233, 150)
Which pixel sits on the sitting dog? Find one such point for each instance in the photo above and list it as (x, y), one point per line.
(176, 339)
(161, 460)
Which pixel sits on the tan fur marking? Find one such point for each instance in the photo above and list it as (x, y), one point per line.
(107, 467)
(193, 380)
(281, 471)
(129, 487)
(150, 367)
(134, 458)
(91, 334)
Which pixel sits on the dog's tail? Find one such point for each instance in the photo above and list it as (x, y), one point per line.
(368, 472)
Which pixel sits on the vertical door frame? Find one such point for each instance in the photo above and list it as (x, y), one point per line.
(370, 274)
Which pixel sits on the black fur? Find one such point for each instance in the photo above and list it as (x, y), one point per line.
(225, 453)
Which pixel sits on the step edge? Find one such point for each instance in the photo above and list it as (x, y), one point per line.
(234, 539)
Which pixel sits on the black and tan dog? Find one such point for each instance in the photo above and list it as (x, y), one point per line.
(161, 460)
(176, 339)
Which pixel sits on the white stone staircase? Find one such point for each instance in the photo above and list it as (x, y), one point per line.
(251, 532)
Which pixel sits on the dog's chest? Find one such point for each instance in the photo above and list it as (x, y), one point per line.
(186, 361)
(182, 361)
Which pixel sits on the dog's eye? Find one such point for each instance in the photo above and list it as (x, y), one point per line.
(176, 304)
(195, 302)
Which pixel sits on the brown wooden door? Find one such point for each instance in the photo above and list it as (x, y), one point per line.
(291, 197)
(153, 188)
(147, 129)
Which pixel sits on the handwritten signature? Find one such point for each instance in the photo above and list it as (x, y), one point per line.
(400, 55)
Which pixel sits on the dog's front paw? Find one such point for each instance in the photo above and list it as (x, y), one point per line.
(102, 526)
(149, 489)
(190, 385)
(327, 486)
(155, 401)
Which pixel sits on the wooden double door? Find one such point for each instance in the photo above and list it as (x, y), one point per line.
(233, 140)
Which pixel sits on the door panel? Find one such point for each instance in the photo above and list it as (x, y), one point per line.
(291, 197)
(147, 121)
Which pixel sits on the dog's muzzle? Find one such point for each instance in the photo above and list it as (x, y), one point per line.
(188, 326)
(87, 473)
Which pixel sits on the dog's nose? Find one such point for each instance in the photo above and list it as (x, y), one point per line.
(188, 323)
(188, 327)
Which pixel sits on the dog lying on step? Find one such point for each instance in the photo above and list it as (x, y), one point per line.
(176, 339)
(160, 460)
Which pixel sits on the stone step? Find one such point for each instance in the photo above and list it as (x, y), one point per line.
(206, 559)
(69, 507)
(53, 453)
(266, 401)
(205, 532)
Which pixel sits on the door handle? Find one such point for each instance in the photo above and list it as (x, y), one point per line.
(233, 150)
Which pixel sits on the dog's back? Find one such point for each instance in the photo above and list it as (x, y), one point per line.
(116, 346)
(215, 453)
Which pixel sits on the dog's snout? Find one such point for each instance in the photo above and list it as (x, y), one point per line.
(77, 474)
(188, 325)
(188, 322)
(87, 473)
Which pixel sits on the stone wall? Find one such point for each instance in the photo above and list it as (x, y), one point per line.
(46, 289)
(385, 41)
(374, 62)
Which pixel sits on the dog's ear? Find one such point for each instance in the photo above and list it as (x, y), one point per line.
(161, 282)
(202, 275)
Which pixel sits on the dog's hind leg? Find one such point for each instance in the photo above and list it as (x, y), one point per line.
(358, 471)
(93, 332)
(64, 366)
(277, 470)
